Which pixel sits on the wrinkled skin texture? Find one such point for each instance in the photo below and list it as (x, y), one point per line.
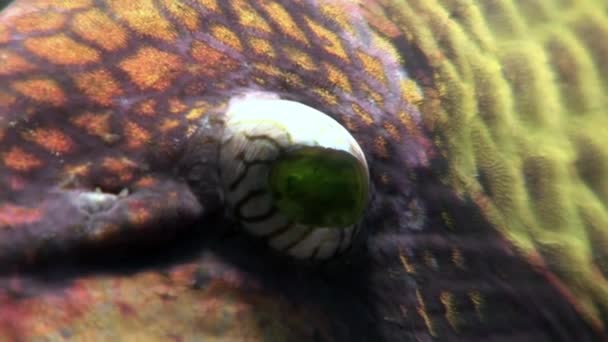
(483, 123)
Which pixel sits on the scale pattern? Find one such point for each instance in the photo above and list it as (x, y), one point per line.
(482, 122)
(517, 101)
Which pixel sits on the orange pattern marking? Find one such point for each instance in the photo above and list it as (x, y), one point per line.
(168, 125)
(11, 63)
(151, 68)
(209, 4)
(99, 86)
(146, 108)
(136, 135)
(451, 313)
(337, 77)
(123, 168)
(372, 66)
(226, 36)
(210, 61)
(248, 17)
(4, 35)
(285, 22)
(39, 21)
(12, 214)
(68, 4)
(94, 124)
(176, 105)
(362, 114)
(393, 131)
(183, 13)
(6, 99)
(262, 47)
(61, 49)
(43, 90)
(332, 41)
(380, 147)
(50, 139)
(98, 28)
(19, 160)
(300, 58)
(144, 18)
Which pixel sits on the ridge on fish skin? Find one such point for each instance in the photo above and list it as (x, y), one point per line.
(482, 123)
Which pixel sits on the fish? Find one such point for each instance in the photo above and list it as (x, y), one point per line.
(482, 124)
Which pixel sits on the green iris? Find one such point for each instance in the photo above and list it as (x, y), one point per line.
(320, 186)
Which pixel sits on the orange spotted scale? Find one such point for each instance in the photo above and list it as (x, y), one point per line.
(111, 119)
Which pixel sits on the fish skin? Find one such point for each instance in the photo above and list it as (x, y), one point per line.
(478, 121)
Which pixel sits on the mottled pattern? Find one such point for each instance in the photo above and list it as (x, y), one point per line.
(481, 122)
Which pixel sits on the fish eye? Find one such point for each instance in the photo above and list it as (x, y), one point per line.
(293, 176)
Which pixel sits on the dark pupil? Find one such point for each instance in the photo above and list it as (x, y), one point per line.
(319, 186)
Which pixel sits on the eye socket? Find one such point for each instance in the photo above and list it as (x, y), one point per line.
(292, 175)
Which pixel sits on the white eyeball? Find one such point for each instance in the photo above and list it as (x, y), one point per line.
(292, 175)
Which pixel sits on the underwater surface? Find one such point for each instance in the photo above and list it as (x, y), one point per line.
(311, 170)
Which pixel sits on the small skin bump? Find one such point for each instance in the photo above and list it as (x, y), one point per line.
(62, 50)
(18, 160)
(136, 136)
(98, 28)
(42, 90)
(144, 18)
(227, 36)
(11, 63)
(210, 61)
(39, 21)
(99, 86)
(151, 68)
(285, 22)
(52, 140)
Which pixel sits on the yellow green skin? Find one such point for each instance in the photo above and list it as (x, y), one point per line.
(487, 219)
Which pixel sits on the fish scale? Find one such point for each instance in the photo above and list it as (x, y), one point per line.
(482, 123)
